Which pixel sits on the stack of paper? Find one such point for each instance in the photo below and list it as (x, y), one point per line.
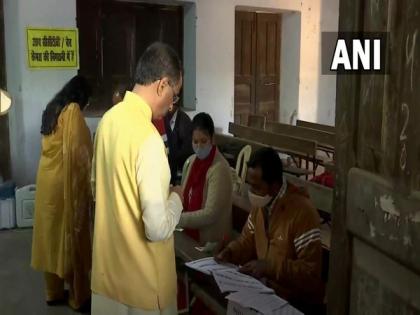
(235, 308)
(231, 280)
(263, 303)
(287, 310)
(249, 293)
(209, 265)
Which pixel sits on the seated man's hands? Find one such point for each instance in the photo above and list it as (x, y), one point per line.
(255, 268)
(224, 256)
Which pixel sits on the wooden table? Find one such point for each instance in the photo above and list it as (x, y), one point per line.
(298, 148)
(201, 285)
(185, 248)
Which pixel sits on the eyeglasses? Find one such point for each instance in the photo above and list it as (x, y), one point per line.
(175, 98)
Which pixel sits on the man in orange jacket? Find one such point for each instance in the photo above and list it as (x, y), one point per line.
(280, 243)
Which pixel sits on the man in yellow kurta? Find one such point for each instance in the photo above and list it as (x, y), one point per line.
(133, 268)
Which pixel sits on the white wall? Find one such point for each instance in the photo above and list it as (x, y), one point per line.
(215, 58)
(215, 36)
(327, 83)
(289, 65)
(31, 90)
(216, 51)
(309, 60)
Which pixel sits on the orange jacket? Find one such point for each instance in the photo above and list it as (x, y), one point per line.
(291, 247)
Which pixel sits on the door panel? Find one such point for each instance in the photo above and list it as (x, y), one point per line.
(384, 218)
(257, 65)
(245, 58)
(268, 65)
(380, 285)
(89, 24)
(118, 47)
(375, 257)
(114, 34)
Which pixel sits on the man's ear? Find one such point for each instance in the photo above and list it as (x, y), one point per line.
(162, 83)
(159, 87)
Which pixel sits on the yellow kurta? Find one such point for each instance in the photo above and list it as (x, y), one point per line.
(61, 238)
(133, 248)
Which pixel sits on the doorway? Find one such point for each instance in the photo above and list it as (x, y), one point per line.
(257, 65)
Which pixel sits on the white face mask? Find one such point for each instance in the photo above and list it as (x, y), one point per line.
(258, 201)
(202, 152)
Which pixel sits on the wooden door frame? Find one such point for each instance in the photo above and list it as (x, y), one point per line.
(350, 89)
(346, 122)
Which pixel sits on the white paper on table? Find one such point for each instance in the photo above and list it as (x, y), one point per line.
(209, 265)
(234, 308)
(231, 280)
(288, 310)
(261, 302)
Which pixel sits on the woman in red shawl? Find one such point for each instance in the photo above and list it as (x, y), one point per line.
(207, 187)
(206, 180)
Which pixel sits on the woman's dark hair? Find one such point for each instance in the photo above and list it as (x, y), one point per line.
(268, 160)
(158, 61)
(77, 90)
(203, 122)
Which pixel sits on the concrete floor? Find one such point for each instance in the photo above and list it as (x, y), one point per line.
(21, 288)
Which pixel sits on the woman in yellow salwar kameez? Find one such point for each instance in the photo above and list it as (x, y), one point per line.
(61, 246)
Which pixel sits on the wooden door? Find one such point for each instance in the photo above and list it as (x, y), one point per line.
(159, 23)
(257, 65)
(89, 15)
(375, 254)
(118, 62)
(5, 171)
(114, 34)
(267, 84)
(245, 58)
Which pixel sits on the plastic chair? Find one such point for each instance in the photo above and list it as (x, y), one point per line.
(241, 162)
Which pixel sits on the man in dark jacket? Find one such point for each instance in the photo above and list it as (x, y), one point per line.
(179, 132)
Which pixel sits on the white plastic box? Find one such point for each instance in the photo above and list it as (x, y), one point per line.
(25, 206)
(7, 214)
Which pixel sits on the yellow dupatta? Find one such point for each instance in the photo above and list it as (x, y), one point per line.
(62, 234)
